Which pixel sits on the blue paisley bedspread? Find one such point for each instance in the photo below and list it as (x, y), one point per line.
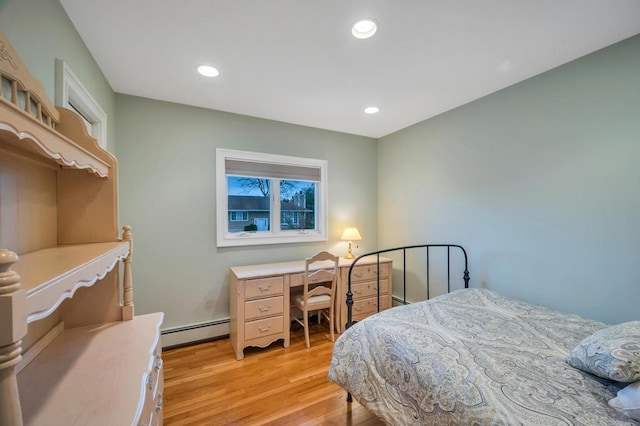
(472, 357)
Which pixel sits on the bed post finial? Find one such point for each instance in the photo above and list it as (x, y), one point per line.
(466, 278)
(13, 311)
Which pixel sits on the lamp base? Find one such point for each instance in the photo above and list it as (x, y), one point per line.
(349, 254)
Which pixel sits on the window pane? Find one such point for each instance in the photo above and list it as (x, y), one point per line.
(248, 204)
(297, 205)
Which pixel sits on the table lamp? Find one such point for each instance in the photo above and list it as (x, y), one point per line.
(350, 234)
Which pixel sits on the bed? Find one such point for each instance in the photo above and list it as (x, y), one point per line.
(473, 356)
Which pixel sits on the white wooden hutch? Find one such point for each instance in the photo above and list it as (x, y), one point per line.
(71, 350)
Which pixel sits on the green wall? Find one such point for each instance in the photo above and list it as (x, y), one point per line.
(540, 182)
(166, 154)
(41, 32)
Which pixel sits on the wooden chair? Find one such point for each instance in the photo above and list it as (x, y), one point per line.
(319, 291)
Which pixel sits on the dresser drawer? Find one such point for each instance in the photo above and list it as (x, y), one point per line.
(368, 272)
(154, 377)
(363, 307)
(263, 327)
(263, 287)
(369, 288)
(152, 413)
(368, 306)
(152, 408)
(266, 307)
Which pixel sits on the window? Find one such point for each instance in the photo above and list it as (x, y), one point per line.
(71, 94)
(269, 199)
(238, 216)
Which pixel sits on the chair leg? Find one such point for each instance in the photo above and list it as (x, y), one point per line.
(331, 322)
(306, 329)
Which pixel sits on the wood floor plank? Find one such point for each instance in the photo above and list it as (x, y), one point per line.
(206, 385)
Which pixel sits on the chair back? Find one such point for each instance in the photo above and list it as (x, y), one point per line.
(321, 272)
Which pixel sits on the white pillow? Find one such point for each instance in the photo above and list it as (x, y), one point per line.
(628, 401)
(611, 353)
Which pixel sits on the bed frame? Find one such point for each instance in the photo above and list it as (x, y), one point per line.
(403, 250)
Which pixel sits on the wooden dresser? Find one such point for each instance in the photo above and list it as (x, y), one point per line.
(364, 287)
(71, 349)
(260, 298)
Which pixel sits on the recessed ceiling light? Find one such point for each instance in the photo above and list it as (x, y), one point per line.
(364, 28)
(371, 110)
(208, 71)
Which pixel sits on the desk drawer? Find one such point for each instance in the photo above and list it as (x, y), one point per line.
(369, 288)
(369, 306)
(263, 287)
(266, 307)
(298, 280)
(263, 327)
(368, 272)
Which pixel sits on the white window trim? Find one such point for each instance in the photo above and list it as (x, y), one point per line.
(275, 236)
(69, 90)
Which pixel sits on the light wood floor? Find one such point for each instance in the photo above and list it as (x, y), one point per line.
(206, 385)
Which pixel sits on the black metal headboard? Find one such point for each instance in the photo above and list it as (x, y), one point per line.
(349, 299)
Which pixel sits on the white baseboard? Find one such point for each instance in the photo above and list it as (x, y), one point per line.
(177, 336)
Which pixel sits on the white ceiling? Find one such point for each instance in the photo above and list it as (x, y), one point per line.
(296, 61)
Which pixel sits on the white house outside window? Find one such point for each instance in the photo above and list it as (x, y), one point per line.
(269, 199)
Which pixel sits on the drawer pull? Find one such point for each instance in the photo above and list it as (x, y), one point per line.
(264, 287)
(358, 274)
(160, 402)
(358, 308)
(358, 291)
(264, 308)
(263, 329)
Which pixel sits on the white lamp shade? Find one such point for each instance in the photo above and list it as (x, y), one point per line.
(351, 234)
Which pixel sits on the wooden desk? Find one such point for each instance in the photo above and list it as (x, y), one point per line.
(260, 298)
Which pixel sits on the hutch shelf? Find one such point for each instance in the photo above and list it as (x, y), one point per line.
(71, 349)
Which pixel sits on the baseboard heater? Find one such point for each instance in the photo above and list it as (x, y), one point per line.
(207, 330)
(192, 333)
(398, 301)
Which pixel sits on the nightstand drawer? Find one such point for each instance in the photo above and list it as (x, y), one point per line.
(264, 307)
(368, 272)
(263, 287)
(263, 327)
(369, 288)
